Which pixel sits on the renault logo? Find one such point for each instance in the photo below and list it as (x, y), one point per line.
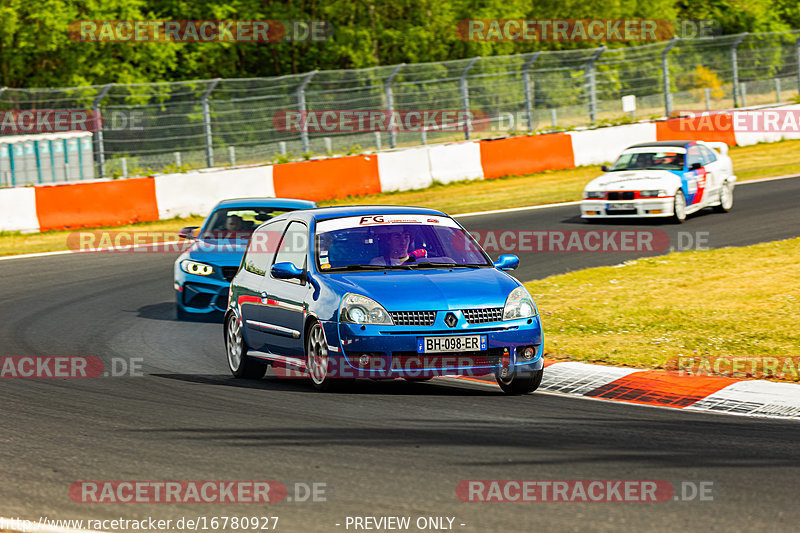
(451, 320)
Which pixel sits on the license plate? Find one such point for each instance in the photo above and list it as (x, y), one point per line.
(460, 343)
(619, 207)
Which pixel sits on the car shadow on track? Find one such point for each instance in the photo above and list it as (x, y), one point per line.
(167, 311)
(400, 387)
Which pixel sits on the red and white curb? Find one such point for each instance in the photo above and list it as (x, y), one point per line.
(717, 394)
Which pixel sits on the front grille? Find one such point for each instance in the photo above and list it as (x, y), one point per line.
(413, 318)
(417, 361)
(229, 272)
(481, 316)
(624, 195)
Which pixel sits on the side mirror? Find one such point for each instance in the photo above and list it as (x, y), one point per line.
(507, 262)
(604, 168)
(187, 232)
(695, 166)
(286, 270)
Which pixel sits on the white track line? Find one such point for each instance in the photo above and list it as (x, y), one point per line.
(460, 215)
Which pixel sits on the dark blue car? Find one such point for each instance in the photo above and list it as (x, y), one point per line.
(379, 292)
(203, 273)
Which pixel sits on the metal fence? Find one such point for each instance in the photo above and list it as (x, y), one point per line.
(160, 126)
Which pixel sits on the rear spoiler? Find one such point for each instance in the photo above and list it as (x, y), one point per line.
(720, 147)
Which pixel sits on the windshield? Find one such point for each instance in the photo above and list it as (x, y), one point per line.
(237, 222)
(655, 160)
(384, 242)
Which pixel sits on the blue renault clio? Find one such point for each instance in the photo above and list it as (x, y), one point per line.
(381, 292)
(202, 274)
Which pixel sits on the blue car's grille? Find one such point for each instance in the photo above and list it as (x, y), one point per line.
(481, 316)
(413, 318)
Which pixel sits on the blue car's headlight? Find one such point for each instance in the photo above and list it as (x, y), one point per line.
(193, 267)
(519, 304)
(357, 309)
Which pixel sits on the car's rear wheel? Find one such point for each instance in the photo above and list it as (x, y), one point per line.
(679, 209)
(240, 364)
(317, 361)
(517, 383)
(725, 198)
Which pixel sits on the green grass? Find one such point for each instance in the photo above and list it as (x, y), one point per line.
(750, 162)
(729, 302)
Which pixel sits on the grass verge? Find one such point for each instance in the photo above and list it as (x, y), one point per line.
(749, 162)
(710, 304)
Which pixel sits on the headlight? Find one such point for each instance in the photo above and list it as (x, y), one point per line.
(357, 309)
(199, 269)
(653, 194)
(594, 194)
(519, 304)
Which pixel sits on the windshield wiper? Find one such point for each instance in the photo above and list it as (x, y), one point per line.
(430, 264)
(367, 267)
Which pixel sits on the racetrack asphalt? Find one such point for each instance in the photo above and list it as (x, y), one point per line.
(383, 449)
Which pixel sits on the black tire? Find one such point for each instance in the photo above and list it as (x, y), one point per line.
(520, 383)
(239, 363)
(725, 198)
(679, 207)
(317, 362)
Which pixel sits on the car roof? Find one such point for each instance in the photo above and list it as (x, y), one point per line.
(288, 203)
(662, 144)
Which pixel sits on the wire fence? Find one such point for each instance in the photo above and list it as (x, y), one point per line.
(156, 127)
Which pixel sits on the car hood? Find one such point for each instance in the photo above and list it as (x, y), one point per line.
(217, 252)
(429, 290)
(634, 180)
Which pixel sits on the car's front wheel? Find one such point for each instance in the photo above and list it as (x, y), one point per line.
(679, 210)
(317, 361)
(725, 198)
(241, 366)
(517, 383)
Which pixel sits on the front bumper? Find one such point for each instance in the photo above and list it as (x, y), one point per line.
(203, 295)
(642, 207)
(376, 351)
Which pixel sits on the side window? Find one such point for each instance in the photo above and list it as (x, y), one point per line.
(694, 155)
(262, 247)
(710, 157)
(294, 246)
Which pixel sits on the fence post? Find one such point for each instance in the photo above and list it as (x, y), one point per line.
(207, 122)
(708, 98)
(232, 155)
(98, 134)
(526, 79)
(797, 57)
(591, 83)
(665, 75)
(778, 90)
(465, 96)
(124, 167)
(735, 68)
(387, 87)
(301, 106)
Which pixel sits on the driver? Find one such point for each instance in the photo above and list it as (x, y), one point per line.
(233, 223)
(670, 160)
(395, 241)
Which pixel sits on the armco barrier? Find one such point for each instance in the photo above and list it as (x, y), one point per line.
(455, 162)
(139, 199)
(593, 147)
(195, 193)
(325, 179)
(514, 156)
(405, 170)
(100, 203)
(18, 209)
